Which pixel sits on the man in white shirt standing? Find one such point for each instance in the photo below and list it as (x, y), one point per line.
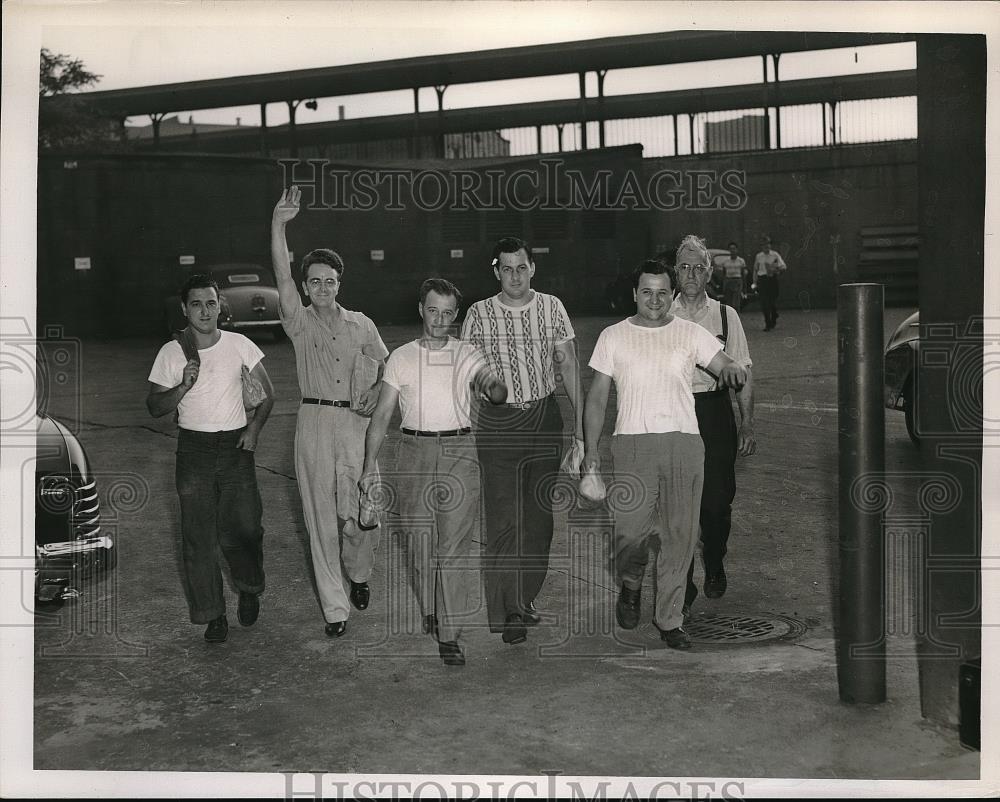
(651, 358)
(734, 271)
(215, 473)
(767, 265)
(528, 340)
(438, 487)
(714, 410)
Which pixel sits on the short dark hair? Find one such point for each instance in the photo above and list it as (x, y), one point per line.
(510, 245)
(198, 281)
(322, 256)
(731, 244)
(655, 267)
(442, 287)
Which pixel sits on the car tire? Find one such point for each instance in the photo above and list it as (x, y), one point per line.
(910, 412)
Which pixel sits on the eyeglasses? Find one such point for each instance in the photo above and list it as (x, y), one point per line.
(329, 283)
(684, 267)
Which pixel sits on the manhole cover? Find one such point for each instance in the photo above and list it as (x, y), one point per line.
(737, 629)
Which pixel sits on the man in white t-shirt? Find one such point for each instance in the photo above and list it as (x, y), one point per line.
(438, 485)
(215, 473)
(734, 271)
(651, 358)
(767, 266)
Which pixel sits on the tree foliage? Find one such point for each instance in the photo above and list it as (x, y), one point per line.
(59, 74)
(65, 119)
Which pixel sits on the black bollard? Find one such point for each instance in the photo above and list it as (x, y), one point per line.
(861, 445)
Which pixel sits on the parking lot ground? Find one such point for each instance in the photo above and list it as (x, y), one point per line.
(122, 681)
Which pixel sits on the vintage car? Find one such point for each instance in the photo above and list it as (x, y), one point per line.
(70, 548)
(901, 354)
(249, 300)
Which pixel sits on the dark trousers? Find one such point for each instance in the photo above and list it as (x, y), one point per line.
(767, 289)
(519, 451)
(220, 509)
(718, 432)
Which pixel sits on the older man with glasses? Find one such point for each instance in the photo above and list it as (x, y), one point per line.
(329, 434)
(714, 410)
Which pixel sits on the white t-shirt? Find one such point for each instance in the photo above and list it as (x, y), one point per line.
(709, 317)
(652, 369)
(768, 264)
(433, 384)
(215, 401)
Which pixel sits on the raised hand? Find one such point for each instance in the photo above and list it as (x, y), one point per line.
(287, 206)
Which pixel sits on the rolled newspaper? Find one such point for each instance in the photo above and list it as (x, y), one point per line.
(592, 486)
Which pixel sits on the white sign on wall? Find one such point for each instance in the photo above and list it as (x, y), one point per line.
(457, 253)
(543, 249)
(186, 260)
(81, 263)
(378, 256)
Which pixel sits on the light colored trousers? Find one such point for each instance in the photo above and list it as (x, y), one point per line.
(329, 455)
(438, 490)
(663, 474)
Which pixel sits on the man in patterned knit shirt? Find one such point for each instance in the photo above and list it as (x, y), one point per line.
(527, 338)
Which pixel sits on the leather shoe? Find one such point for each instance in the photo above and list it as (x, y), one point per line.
(715, 584)
(336, 629)
(513, 629)
(675, 638)
(451, 653)
(248, 609)
(530, 615)
(217, 630)
(628, 607)
(360, 595)
(430, 625)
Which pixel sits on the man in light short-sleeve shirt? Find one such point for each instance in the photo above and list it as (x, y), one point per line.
(715, 413)
(438, 482)
(651, 358)
(329, 434)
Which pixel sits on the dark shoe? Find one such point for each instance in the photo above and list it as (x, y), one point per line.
(430, 625)
(360, 595)
(676, 638)
(248, 609)
(530, 615)
(451, 653)
(217, 630)
(336, 629)
(628, 607)
(715, 584)
(513, 629)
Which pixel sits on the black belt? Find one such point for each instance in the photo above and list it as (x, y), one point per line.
(325, 402)
(526, 404)
(444, 433)
(724, 390)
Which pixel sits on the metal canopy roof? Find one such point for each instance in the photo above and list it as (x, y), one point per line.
(483, 118)
(455, 68)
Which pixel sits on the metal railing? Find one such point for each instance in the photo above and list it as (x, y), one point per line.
(801, 126)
